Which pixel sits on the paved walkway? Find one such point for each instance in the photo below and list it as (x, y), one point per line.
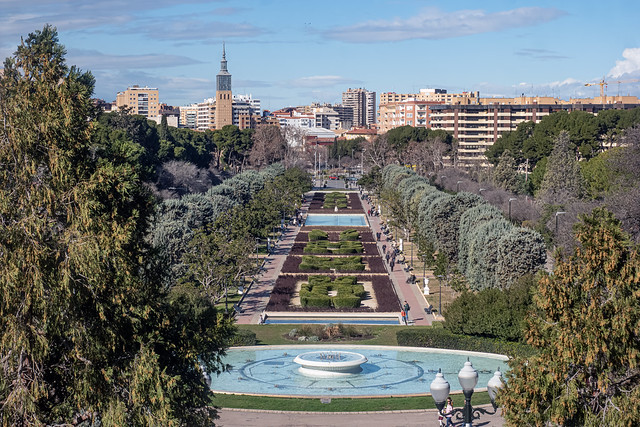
(406, 291)
(256, 418)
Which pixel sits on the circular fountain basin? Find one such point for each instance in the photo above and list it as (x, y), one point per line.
(388, 371)
(330, 363)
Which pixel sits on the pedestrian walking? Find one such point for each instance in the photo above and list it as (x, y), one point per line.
(392, 264)
(404, 316)
(448, 411)
(406, 308)
(384, 248)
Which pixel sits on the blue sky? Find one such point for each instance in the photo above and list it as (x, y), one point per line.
(297, 52)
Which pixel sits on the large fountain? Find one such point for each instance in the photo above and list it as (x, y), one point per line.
(330, 363)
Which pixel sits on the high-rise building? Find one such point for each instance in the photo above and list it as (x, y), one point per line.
(141, 100)
(224, 98)
(363, 103)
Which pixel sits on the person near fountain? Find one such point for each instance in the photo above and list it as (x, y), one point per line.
(406, 309)
(404, 316)
(448, 411)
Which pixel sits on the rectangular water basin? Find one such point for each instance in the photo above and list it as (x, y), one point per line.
(346, 220)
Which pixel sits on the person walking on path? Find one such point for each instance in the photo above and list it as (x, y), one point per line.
(406, 309)
(404, 316)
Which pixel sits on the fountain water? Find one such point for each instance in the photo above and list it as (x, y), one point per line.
(329, 363)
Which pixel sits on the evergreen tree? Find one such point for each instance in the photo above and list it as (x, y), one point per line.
(505, 175)
(86, 333)
(586, 324)
(562, 180)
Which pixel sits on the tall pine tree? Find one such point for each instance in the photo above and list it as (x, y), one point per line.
(86, 333)
(586, 325)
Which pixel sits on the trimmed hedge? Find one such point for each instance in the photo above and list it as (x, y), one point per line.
(315, 235)
(441, 338)
(339, 248)
(333, 199)
(243, 337)
(352, 263)
(351, 234)
(315, 292)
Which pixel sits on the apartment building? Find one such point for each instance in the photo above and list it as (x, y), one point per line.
(409, 112)
(478, 126)
(189, 116)
(142, 100)
(363, 104)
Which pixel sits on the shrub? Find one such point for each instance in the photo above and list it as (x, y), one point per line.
(318, 235)
(243, 337)
(350, 301)
(441, 338)
(351, 234)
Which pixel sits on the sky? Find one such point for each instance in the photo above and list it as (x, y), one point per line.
(289, 53)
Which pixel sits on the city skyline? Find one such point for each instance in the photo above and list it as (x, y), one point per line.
(286, 53)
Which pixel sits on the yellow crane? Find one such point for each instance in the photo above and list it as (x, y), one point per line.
(602, 83)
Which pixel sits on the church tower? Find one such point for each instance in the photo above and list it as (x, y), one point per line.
(224, 99)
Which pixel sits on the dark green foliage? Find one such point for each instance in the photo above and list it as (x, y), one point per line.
(338, 248)
(351, 263)
(562, 180)
(243, 337)
(315, 292)
(492, 312)
(435, 337)
(335, 198)
(318, 235)
(86, 328)
(351, 234)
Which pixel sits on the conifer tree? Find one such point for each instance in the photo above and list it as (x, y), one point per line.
(86, 333)
(586, 324)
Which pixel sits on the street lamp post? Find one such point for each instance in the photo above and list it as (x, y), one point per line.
(257, 245)
(481, 190)
(511, 199)
(558, 214)
(468, 378)
(440, 279)
(458, 186)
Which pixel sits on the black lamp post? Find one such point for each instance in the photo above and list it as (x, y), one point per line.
(468, 378)
(511, 199)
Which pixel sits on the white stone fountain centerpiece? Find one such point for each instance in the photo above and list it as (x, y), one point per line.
(330, 363)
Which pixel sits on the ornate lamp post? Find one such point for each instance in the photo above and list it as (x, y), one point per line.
(458, 186)
(468, 378)
(511, 199)
(440, 390)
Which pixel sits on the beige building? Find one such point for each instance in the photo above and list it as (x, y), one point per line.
(363, 105)
(142, 100)
(478, 126)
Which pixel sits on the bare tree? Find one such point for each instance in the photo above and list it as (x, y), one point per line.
(269, 146)
(379, 153)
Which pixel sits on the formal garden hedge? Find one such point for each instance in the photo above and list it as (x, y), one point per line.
(333, 199)
(285, 287)
(351, 263)
(243, 337)
(438, 337)
(316, 292)
(338, 248)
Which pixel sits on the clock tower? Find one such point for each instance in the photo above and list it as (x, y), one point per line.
(224, 99)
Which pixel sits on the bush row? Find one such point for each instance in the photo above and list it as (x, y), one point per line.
(437, 337)
(351, 263)
(333, 199)
(315, 293)
(490, 251)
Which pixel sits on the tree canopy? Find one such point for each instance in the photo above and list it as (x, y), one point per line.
(585, 325)
(87, 334)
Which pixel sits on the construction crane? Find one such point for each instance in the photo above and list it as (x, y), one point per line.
(602, 83)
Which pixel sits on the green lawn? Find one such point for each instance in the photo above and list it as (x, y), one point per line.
(340, 405)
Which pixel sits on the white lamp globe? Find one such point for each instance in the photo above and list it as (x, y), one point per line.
(468, 376)
(440, 388)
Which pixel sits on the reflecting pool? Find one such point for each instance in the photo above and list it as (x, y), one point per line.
(347, 220)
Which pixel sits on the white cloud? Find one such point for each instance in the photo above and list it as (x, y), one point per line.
(566, 82)
(630, 63)
(96, 60)
(435, 24)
